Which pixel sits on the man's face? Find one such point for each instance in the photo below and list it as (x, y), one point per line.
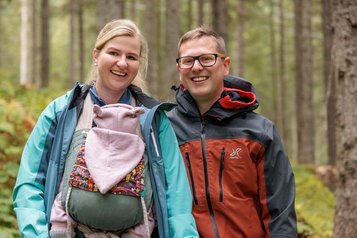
(205, 84)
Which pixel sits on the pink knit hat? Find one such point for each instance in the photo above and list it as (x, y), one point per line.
(113, 148)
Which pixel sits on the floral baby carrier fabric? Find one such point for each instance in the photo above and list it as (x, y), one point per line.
(113, 153)
(103, 184)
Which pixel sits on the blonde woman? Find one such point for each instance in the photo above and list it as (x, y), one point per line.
(62, 189)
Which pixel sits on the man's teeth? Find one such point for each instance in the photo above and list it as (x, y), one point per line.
(118, 73)
(198, 79)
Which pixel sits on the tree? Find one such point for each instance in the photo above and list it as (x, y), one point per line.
(344, 75)
(273, 68)
(25, 44)
(151, 33)
(76, 43)
(220, 17)
(282, 89)
(328, 81)
(133, 10)
(172, 35)
(240, 37)
(45, 42)
(34, 46)
(109, 10)
(201, 5)
(303, 82)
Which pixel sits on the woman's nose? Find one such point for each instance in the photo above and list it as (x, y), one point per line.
(122, 61)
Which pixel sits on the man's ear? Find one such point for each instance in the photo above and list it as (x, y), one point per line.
(227, 64)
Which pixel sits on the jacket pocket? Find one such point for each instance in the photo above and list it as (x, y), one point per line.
(191, 178)
(221, 168)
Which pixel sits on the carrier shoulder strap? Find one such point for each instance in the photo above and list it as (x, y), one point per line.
(83, 125)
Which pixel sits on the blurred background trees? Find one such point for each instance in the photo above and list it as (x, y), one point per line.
(283, 47)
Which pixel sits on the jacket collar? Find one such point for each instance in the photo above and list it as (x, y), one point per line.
(239, 96)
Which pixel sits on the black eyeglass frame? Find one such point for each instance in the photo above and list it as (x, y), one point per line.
(216, 55)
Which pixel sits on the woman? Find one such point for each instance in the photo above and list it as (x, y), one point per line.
(44, 204)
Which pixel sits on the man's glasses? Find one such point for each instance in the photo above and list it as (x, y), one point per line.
(206, 60)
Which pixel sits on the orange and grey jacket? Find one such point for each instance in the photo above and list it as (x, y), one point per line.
(241, 180)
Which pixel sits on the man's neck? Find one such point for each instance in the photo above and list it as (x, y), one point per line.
(205, 105)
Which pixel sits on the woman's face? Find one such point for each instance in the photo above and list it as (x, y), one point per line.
(118, 64)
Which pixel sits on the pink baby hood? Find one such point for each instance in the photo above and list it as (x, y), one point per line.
(113, 148)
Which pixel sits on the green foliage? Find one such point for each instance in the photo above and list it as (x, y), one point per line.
(19, 109)
(315, 204)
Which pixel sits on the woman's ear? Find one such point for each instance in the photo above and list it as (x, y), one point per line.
(95, 55)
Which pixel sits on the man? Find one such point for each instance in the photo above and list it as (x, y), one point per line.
(241, 179)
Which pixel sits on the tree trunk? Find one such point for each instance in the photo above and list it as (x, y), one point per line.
(303, 82)
(133, 10)
(282, 80)
(329, 83)
(73, 43)
(1, 30)
(201, 6)
(220, 17)
(108, 10)
(160, 54)
(45, 42)
(172, 36)
(240, 38)
(151, 33)
(81, 41)
(344, 75)
(273, 68)
(76, 44)
(190, 15)
(25, 44)
(33, 37)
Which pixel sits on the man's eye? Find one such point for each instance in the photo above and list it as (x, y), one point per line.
(206, 58)
(187, 61)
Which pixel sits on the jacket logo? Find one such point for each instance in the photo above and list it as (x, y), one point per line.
(235, 153)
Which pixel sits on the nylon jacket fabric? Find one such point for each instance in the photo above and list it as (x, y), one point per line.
(43, 160)
(241, 179)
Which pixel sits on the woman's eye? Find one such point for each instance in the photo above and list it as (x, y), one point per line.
(113, 53)
(131, 57)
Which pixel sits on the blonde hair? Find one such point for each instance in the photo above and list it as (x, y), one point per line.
(200, 32)
(123, 27)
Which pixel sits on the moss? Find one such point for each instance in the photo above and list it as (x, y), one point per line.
(315, 204)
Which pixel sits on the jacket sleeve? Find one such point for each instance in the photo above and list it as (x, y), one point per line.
(277, 189)
(178, 194)
(28, 193)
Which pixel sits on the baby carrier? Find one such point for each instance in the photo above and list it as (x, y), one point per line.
(105, 186)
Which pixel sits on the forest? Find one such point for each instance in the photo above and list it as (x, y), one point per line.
(300, 55)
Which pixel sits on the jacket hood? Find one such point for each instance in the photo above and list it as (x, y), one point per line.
(239, 96)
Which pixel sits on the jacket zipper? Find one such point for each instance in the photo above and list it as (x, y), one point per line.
(191, 177)
(208, 196)
(221, 167)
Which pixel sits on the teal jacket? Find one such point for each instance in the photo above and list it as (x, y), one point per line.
(43, 161)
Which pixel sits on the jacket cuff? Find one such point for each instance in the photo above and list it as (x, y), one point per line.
(60, 234)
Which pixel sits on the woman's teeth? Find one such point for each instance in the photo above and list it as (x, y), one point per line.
(118, 73)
